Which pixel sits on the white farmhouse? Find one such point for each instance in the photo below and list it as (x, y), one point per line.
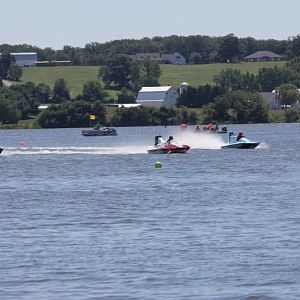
(157, 96)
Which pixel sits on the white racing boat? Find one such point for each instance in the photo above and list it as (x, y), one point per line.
(239, 142)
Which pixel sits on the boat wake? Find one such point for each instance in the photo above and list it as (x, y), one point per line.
(263, 145)
(201, 140)
(72, 150)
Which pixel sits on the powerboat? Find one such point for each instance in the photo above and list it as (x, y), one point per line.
(99, 132)
(163, 147)
(1, 150)
(239, 143)
(211, 130)
(169, 149)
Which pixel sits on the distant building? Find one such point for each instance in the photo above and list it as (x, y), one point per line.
(183, 87)
(272, 99)
(25, 59)
(52, 63)
(175, 58)
(263, 56)
(157, 96)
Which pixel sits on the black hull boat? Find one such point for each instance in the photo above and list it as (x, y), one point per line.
(1, 150)
(169, 149)
(99, 132)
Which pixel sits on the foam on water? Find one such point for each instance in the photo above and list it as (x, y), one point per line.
(73, 150)
(201, 140)
(263, 145)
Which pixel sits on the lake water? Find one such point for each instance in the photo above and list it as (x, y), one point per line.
(91, 217)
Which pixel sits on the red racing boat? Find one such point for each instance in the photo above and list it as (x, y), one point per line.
(169, 149)
(170, 146)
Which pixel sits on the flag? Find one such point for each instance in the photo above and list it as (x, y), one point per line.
(92, 117)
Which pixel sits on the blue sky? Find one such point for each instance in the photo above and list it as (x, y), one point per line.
(55, 23)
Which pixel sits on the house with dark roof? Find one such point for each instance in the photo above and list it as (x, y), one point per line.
(263, 56)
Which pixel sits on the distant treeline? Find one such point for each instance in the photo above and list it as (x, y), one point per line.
(198, 49)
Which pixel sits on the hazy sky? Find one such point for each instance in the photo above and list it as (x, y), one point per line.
(55, 23)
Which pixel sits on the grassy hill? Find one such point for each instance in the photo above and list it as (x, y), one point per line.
(194, 75)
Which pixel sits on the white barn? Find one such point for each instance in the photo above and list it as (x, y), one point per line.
(26, 59)
(157, 96)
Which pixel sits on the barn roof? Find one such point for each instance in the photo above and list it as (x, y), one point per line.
(155, 89)
(262, 54)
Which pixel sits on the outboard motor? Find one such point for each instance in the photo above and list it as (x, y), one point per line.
(230, 135)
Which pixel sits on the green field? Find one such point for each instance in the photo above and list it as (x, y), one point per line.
(194, 75)
(74, 76)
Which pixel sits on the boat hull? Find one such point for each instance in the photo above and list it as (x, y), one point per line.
(1, 150)
(99, 132)
(169, 150)
(249, 145)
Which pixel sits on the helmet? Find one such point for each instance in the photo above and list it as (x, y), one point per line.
(170, 137)
(240, 133)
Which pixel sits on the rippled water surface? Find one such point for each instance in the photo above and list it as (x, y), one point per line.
(91, 217)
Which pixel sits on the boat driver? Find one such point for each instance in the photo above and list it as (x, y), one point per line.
(240, 135)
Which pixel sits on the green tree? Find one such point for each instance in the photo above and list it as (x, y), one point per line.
(93, 90)
(229, 48)
(5, 61)
(118, 70)
(150, 73)
(60, 91)
(8, 111)
(14, 72)
(229, 79)
(289, 94)
(292, 116)
(197, 97)
(126, 96)
(269, 78)
(72, 114)
(195, 58)
(135, 116)
(43, 92)
(294, 46)
(238, 107)
(292, 68)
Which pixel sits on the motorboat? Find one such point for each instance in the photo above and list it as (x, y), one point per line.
(211, 130)
(99, 132)
(163, 147)
(169, 149)
(242, 142)
(1, 150)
